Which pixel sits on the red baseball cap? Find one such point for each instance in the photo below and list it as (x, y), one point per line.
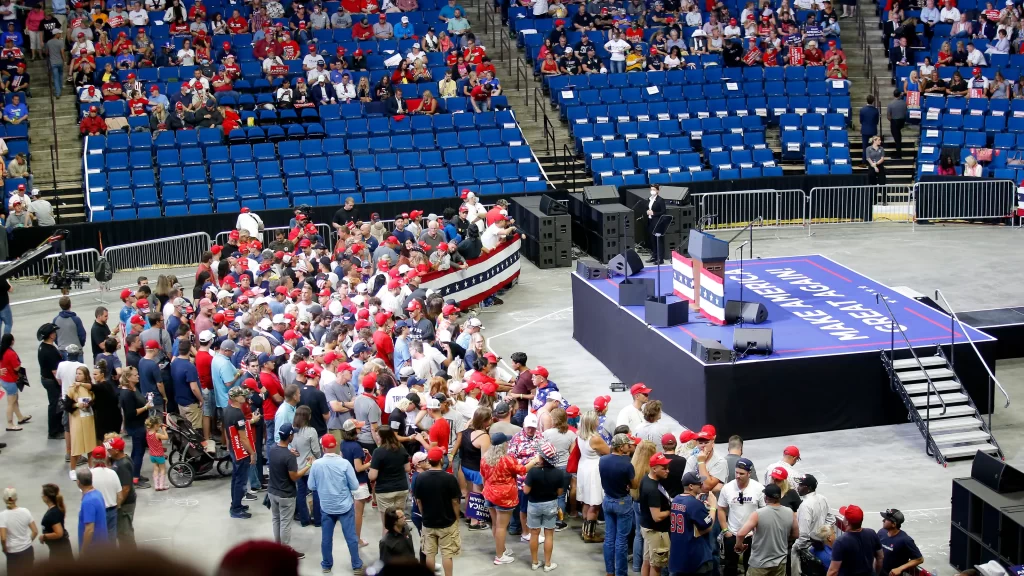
(381, 318)
(450, 309)
(852, 513)
(659, 459)
(667, 438)
(435, 454)
(778, 473)
(368, 381)
(125, 294)
(540, 371)
(687, 436)
(328, 441)
(572, 411)
(152, 345)
(639, 388)
(976, 71)
(330, 357)
(137, 320)
(116, 443)
(791, 451)
(491, 357)
(707, 432)
(290, 334)
(414, 305)
(602, 402)
(281, 290)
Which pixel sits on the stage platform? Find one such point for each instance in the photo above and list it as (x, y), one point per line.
(1006, 325)
(825, 372)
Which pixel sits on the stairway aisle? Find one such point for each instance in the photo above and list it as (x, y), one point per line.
(56, 154)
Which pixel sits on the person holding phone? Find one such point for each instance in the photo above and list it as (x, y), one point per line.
(284, 472)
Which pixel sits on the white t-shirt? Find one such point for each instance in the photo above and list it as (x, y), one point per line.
(949, 14)
(738, 511)
(18, 523)
(732, 31)
(717, 466)
(540, 7)
(467, 407)
(618, 49)
(789, 470)
(394, 396)
(430, 363)
(66, 375)
(107, 483)
(187, 57)
(975, 58)
(250, 222)
(490, 238)
(138, 17)
(630, 416)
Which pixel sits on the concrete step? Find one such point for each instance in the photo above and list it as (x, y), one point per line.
(968, 450)
(961, 438)
(950, 425)
(933, 401)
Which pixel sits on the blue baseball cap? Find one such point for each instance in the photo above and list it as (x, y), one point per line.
(360, 347)
(745, 464)
(285, 430)
(264, 358)
(414, 381)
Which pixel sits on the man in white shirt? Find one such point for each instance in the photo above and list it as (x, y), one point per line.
(949, 13)
(790, 456)
(974, 56)
(813, 513)
(138, 16)
(426, 360)
(108, 484)
(66, 370)
(711, 466)
(737, 501)
(732, 30)
(540, 8)
(633, 415)
(395, 394)
(495, 234)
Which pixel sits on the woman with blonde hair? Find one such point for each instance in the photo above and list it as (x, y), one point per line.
(81, 420)
(780, 477)
(971, 167)
(588, 478)
(562, 438)
(17, 532)
(363, 91)
(641, 467)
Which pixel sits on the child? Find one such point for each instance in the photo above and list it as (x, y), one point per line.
(419, 464)
(156, 433)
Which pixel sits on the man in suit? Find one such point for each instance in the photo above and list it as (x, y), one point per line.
(868, 123)
(900, 55)
(986, 30)
(655, 211)
(396, 104)
(889, 30)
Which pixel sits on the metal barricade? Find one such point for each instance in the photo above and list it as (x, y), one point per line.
(129, 260)
(859, 204)
(732, 210)
(29, 283)
(325, 230)
(965, 200)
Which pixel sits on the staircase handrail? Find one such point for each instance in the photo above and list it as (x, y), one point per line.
(750, 227)
(931, 385)
(939, 295)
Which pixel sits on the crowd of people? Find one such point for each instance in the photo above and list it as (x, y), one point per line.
(339, 386)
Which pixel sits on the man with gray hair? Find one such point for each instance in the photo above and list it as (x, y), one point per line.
(432, 236)
(41, 210)
(92, 514)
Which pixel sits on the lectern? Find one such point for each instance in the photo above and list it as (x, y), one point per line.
(708, 254)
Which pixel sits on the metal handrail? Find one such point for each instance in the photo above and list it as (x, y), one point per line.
(522, 77)
(549, 130)
(967, 335)
(538, 102)
(53, 121)
(931, 385)
(569, 161)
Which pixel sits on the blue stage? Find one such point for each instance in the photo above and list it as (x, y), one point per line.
(828, 332)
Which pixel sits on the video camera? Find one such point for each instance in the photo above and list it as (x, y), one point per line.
(61, 277)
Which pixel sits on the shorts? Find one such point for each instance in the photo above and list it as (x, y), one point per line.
(396, 500)
(194, 414)
(542, 515)
(457, 464)
(362, 493)
(779, 570)
(158, 459)
(656, 545)
(10, 388)
(209, 404)
(502, 508)
(448, 541)
(472, 476)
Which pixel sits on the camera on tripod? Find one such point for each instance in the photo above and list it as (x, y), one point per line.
(64, 279)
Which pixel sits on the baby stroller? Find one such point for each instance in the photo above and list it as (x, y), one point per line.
(187, 458)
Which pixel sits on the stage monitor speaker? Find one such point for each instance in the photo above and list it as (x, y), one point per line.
(996, 474)
(711, 351)
(752, 340)
(591, 269)
(749, 312)
(674, 195)
(601, 194)
(626, 264)
(551, 207)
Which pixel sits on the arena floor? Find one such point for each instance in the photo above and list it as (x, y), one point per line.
(876, 468)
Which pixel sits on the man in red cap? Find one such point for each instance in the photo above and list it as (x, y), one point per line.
(790, 456)
(542, 386)
(676, 467)
(655, 509)
(382, 341)
(857, 551)
(151, 383)
(633, 415)
(438, 498)
(601, 404)
(334, 480)
(121, 464)
(707, 463)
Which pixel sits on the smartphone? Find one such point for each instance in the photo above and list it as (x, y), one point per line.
(149, 397)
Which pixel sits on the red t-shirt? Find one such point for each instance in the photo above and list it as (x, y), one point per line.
(138, 106)
(203, 362)
(353, 6)
(479, 94)
(273, 386)
(635, 34)
(290, 50)
(11, 362)
(385, 347)
(500, 481)
(440, 433)
(238, 25)
(473, 56)
(179, 28)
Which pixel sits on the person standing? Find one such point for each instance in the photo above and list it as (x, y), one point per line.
(857, 551)
(224, 375)
(707, 463)
(397, 541)
(900, 553)
(283, 472)
(6, 317)
(813, 513)
(500, 470)
(274, 394)
(55, 56)
(239, 431)
(790, 456)
(135, 408)
(49, 358)
(868, 124)
(55, 533)
(543, 487)
(875, 157)
(100, 331)
(334, 480)
(589, 477)
(773, 526)
(896, 112)
(690, 528)
(10, 366)
(92, 515)
(437, 497)
(306, 442)
(655, 509)
(735, 453)
(616, 475)
(633, 415)
(123, 466)
(17, 532)
(523, 390)
(736, 502)
(655, 217)
(185, 379)
(108, 484)
(389, 468)
(70, 330)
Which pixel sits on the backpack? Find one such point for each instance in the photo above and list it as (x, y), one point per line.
(104, 271)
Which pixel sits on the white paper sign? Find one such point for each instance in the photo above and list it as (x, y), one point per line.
(567, 94)
(652, 90)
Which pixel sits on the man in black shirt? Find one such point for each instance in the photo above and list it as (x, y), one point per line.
(437, 496)
(49, 357)
(310, 395)
(283, 472)
(582, 20)
(132, 345)
(733, 54)
(347, 213)
(100, 331)
(655, 509)
(591, 63)
(122, 464)
(570, 64)
(673, 483)
(242, 452)
(471, 247)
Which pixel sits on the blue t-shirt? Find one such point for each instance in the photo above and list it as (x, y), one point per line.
(687, 550)
(897, 550)
(350, 451)
(856, 550)
(183, 372)
(221, 371)
(92, 511)
(149, 375)
(403, 235)
(616, 475)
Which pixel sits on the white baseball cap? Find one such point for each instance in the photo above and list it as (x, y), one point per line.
(279, 319)
(530, 421)
(555, 395)
(206, 336)
(265, 324)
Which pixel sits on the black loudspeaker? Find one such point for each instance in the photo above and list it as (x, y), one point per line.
(750, 312)
(996, 474)
(711, 351)
(626, 264)
(601, 194)
(752, 340)
(551, 207)
(674, 195)
(591, 269)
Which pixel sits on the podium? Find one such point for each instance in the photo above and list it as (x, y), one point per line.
(708, 255)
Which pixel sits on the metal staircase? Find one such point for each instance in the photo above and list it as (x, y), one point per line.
(937, 401)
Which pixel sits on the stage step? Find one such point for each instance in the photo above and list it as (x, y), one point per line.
(954, 424)
(934, 374)
(949, 399)
(911, 363)
(940, 385)
(969, 450)
(960, 437)
(951, 411)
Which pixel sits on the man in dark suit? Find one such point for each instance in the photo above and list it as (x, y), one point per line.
(985, 29)
(655, 211)
(396, 104)
(900, 55)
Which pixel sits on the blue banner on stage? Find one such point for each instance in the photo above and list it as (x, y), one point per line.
(476, 507)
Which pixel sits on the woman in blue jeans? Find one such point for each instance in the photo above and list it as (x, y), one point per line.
(641, 466)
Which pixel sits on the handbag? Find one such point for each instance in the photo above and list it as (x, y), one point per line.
(68, 405)
(22, 379)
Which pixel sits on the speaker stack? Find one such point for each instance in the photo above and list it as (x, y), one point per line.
(547, 227)
(677, 205)
(604, 230)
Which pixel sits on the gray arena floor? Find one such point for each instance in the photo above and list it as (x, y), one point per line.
(876, 468)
